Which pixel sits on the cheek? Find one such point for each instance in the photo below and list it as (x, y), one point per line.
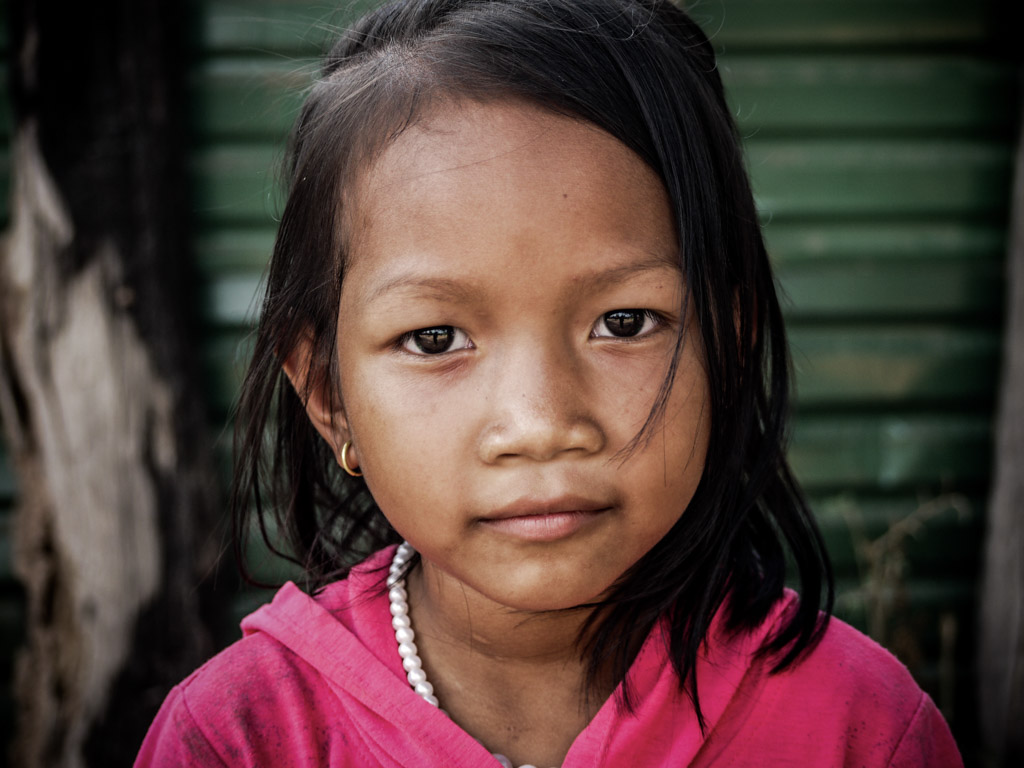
(676, 448)
(625, 389)
(629, 389)
(688, 416)
(383, 426)
(405, 440)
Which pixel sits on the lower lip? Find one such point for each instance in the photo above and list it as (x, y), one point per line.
(541, 527)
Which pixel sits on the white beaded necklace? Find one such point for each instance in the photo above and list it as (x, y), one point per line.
(411, 662)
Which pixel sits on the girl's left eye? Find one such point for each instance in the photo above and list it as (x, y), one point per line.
(435, 340)
(626, 323)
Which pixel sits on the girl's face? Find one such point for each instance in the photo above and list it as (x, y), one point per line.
(508, 316)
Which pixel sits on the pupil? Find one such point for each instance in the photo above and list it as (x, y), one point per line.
(434, 340)
(624, 322)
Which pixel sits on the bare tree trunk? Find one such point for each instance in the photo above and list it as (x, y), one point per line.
(97, 389)
(1001, 648)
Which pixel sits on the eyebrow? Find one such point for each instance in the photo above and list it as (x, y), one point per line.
(604, 277)
(433, 287)
(444, 288)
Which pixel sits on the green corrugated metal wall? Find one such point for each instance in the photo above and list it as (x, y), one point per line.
(878, 140)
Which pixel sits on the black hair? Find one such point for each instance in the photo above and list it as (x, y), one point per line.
(644, 72)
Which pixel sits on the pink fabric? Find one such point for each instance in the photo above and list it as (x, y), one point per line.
(317, 682)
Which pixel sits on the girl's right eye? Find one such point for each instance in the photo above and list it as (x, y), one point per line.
(435, 340)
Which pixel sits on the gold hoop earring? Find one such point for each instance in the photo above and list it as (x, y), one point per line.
(344, 460)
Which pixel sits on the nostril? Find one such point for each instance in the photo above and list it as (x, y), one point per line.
(541, 438)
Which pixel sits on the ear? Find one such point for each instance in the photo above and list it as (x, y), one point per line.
(322, 406)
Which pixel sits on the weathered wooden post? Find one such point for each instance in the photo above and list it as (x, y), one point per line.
(97, 378)
(1001, 647)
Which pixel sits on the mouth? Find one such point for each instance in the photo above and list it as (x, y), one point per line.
(544, 520)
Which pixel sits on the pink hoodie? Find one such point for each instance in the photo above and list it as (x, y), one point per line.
(318, 682)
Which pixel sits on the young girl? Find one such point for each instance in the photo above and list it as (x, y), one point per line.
(520, 297)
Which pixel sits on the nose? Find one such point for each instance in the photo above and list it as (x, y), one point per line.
(541, 408)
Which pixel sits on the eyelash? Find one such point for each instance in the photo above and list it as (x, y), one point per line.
(407, 342)
(657, 321)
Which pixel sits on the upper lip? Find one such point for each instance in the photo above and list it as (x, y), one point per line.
(531, 507)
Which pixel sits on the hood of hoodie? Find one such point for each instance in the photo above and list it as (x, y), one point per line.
(345, 634)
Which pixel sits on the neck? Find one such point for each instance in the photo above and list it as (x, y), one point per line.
(514, 680)
(456, 615)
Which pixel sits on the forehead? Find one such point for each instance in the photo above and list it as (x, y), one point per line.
(505, 175)
(460, 133)
(473, 137)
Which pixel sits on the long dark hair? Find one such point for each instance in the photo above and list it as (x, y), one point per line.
(645, 73)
